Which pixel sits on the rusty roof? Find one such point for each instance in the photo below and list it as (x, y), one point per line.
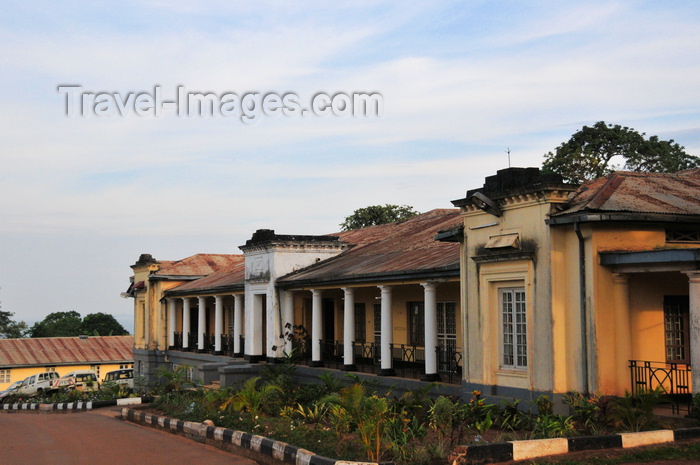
(395, 250)
(631, 192)
(229, 279)
(201, 264)
(47, 351)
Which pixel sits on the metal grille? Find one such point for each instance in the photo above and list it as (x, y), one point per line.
(676, 322)
(378, 325)
(683, 235)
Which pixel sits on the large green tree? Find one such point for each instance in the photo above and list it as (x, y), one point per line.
(57, 324)
(11, 329)
(377, 214)
(102, 324)
(70, 324)
(590, 151)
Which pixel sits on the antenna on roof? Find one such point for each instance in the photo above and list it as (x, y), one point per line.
(508, 152)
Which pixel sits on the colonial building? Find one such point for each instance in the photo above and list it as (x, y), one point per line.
(595, 289)
(533, 286)
(383, 299)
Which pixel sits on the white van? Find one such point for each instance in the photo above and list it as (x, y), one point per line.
(37, 384)
(82, 380)
(122, 377)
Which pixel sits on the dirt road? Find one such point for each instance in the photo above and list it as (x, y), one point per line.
(98, 438)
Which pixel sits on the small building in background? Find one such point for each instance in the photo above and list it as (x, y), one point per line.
(20, 358)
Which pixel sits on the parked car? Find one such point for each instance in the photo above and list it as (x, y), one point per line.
(37, 384)
(14, 387)
(82, 380)
(122, 377)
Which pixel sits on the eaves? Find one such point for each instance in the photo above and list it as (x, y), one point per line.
(371, 278)
(207, 291)
(588, 217)
(165, 277)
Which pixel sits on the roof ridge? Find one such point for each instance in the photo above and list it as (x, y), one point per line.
(607, 190)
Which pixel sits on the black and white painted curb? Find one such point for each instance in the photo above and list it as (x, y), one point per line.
(531, 449)
(258, 448)
(73, 406)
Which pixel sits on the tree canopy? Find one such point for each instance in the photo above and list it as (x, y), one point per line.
(10, 329)
(377, 214)
(102, 324)
(70, 324)
(589, 152)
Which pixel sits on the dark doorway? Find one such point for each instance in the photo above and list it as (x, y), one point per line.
(328, 307)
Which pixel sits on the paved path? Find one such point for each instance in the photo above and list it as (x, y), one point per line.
(98, 438)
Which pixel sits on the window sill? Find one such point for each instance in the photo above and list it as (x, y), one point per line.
(513, 373)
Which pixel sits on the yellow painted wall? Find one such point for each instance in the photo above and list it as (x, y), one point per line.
(645, 294)
(18, 374)
(524, 216)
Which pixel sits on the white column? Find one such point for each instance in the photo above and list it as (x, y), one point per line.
(387, 368)
(431, 332)
(237, 322)
(218, 322)
(172, 322)
(287, 319)
(349, 329)
(694, 316)
(186, 325)
(201, 323)
(316, 327)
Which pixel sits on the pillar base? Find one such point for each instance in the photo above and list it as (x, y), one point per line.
(387, 372)
(218, 352)
(352, 367)
(201, 351)
(430, 377)
(255, 358)
(316, 363)
(172, 347)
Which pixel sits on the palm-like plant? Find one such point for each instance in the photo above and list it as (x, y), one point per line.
(251, 397)
(369, 415)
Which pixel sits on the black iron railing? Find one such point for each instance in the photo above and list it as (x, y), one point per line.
(450, 364)
(227, 344)
(191, 341)
(673, 379)
(408, 360)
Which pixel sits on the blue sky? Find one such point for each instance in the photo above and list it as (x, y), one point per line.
(82, 197)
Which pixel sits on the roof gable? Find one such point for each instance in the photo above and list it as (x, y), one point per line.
(201, 264)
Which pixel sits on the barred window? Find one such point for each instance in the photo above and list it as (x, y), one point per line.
(683, 235)
(416, 320)
(514, 328)
(676, 328)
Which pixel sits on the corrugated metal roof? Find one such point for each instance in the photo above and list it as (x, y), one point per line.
(233, 276)
(396, 249)
(201, 264)
(672, 194)
(65, 350)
